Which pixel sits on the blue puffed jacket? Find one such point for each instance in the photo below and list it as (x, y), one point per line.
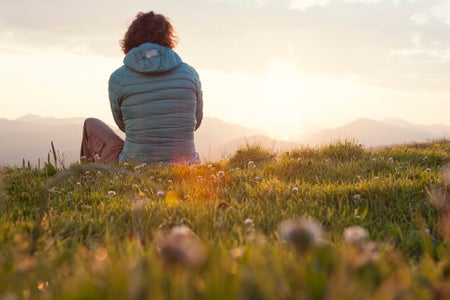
(156, 99)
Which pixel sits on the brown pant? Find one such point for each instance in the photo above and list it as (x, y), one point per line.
(100, 143)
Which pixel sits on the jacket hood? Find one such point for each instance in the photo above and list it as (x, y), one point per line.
(151, 58)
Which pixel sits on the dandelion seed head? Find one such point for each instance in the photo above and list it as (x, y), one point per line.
(303, 232)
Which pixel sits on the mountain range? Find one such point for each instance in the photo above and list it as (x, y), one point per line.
(29, 137)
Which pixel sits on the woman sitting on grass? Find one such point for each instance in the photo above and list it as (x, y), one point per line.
(155, 98)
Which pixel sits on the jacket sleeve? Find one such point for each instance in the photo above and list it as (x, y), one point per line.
(199, 106)
(115, 100)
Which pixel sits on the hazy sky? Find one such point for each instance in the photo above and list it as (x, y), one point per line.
(283, 65)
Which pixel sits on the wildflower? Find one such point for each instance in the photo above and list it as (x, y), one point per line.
(249, 222)
(258, 179)
(42, 285)
(221, 173)
(182, 247)
(99, 174)
(304, 232)
(295, 189)
(251, 164)
(97, 157)
(160, 193)
(356, 235)
(428, 170)
(138, 167)
(111, 193)
(250, 226)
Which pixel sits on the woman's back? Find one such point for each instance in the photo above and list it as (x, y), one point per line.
(156, 100)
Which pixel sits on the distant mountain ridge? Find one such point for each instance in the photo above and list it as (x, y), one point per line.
(372, 133)
(29, 137)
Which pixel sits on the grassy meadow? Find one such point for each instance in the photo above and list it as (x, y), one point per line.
(332, 222)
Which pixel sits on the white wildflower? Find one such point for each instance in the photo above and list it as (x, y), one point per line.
(356, 235)
(160, 193)
(182, 247)
(138, 167)
(111, 193)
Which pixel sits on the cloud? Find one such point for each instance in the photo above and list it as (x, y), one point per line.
(401, 43)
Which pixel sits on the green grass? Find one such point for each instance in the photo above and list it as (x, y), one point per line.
(96, 232)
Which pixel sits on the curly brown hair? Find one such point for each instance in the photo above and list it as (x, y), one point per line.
(149, 28)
